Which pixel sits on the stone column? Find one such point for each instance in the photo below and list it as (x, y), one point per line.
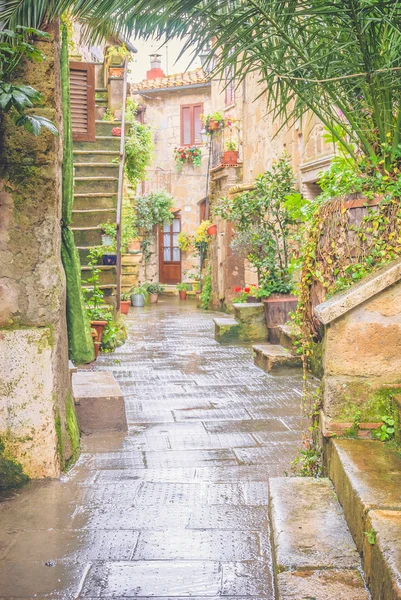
(37, 418)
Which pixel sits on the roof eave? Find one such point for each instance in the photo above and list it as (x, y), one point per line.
(172, 88)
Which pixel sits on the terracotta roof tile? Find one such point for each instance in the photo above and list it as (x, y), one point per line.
(171, 81)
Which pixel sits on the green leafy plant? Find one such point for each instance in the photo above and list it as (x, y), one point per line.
(262, 218)
(153, 209)
(231, 146)
(206, 294)
(125, 296)
(371, 536)
(182, 287)
(187, 155)
(108, 116)
(139, 147)
(139, 290)
(155, 288)
(16, 99)
(129, 229)
(387, 430)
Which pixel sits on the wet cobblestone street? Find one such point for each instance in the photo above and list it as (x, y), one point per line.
(177, 506)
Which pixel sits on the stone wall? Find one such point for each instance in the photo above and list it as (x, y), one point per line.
(361, 350)
(34, 377)
(188, 187)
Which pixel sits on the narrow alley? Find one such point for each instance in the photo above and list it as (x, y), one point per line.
(178, 506)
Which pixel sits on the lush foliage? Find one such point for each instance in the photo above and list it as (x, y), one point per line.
(182, 287)
(185, 241)
(206, 294)
(129, 231)
(139, 147)
(153, 209)
(154, 288)
(17, 98)
(264, 224)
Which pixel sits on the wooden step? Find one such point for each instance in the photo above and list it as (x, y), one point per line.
(313, 550)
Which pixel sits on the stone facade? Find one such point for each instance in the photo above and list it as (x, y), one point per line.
(188, 187)
(260, 143)
(361, 350)
(34, 377)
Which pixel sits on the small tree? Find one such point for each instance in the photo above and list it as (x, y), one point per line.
(264, 224)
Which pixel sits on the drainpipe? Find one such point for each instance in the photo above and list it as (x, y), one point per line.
(121, 187)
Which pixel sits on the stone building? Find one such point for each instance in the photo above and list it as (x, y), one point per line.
(260, 142)
(171, 105)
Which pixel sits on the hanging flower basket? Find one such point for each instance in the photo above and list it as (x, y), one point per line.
(212, 230)
(116, 131)
(116, 72)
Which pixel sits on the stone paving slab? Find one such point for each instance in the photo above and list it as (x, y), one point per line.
(178, 505)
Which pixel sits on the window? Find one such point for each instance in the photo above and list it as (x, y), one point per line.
(191, 125)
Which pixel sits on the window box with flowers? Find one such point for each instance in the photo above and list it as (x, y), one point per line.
(184, 155)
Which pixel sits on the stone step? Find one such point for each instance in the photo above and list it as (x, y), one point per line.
(288, 335)
(99, 169)
(270, 356)
(226, 329)
(367, 478)
(95, 184)
(102, 142)
(107, 275)
(99, 402)
(95, 200)
(105, 127)
(102, 101)
(170, 290)
(251, 319)
(88, 156)
(86, 237)
(93, 217)
(313, 551)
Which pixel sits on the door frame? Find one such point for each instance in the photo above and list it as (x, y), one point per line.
(177, 215)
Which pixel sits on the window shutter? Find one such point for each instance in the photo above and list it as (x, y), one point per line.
(186, 125)
(82, 100)
(197, 111)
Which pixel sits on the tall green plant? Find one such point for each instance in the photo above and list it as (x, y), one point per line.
(153, 209)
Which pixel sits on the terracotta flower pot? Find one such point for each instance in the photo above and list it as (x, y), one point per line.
(212, 230)
(213, 125)
(230, 157)
(134, 247)
(153, 298)
(116, 131)
(97, 334)
(116, 72)
(277, 309)
(183, 294)
(124, 306)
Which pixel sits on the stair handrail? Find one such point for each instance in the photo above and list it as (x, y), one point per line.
(121, 187)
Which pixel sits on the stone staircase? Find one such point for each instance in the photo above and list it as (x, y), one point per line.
(324, 537)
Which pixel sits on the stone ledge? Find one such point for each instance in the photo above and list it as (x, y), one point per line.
(367, 476)
(99, 402)
(331, 428)
(288, 335)
(345, 301)
(271, 356)
(331, 584)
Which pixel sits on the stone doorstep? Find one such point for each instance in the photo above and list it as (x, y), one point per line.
(367, 478)
(313, 551)
(99, 402)
(271, 356)
(332, 428)
(288, 334)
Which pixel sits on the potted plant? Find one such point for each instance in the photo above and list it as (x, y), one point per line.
(212, 230)
(182, 288)
(138, 295)
(108, 233)
(230, 156)
(195, 279)
(192, 155)
(213, 122)
(134, 246)
(125, 303)
(154, 290)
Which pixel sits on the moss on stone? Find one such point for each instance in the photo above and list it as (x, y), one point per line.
(72, 429)
(315, 359)
(59, 433)
(371, 411)
(11, 472)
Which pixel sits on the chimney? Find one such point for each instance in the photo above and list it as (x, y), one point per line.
(155, 67)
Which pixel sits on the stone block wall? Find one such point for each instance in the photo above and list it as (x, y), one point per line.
(34, 377)
(361, 349)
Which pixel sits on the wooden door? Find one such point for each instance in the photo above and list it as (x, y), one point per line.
(169, 252)
(82, 94)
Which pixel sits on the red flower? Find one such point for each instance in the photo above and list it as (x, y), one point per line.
(183, 155)
(237, 289)
(247, 290)
(254, 285)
